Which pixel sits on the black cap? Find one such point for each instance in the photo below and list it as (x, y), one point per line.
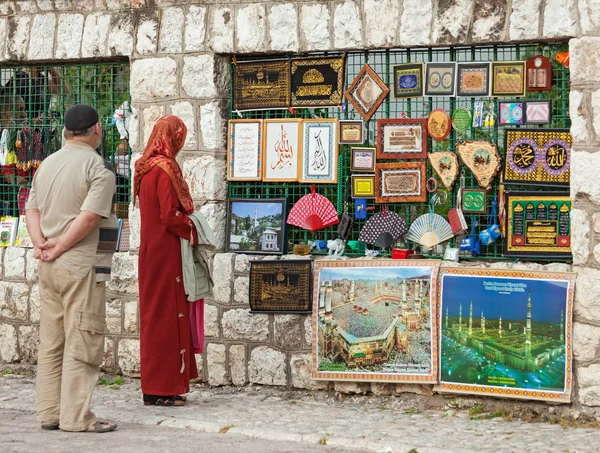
(80, 117)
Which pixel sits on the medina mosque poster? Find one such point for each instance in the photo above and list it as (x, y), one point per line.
(506, 333)
(375, 321)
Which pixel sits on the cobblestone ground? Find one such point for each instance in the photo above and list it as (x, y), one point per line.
(256, 419)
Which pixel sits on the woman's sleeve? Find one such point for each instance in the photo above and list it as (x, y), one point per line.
(171, 214)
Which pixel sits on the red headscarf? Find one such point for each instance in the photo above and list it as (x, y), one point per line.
(166, 140)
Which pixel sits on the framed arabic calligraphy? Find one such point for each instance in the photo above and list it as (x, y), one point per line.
(319, 151)
(402, 138)
(537, 156)
(317, 82)
(244, 150)
(408, 80)
(366, 92)
(281, 150)
(400, 182)
(261, 85)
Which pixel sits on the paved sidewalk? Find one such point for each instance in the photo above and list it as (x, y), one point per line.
(290, 421)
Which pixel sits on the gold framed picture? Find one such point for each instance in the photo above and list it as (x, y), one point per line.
(352, 132)
(319, 159)
(244, 150)
(362, 159)
(508, 78)
(261, 85)
(363, 186)
(281, 150)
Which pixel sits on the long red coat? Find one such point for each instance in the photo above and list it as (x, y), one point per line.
(167, 356)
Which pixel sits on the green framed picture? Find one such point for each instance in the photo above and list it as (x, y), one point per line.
(474, 201)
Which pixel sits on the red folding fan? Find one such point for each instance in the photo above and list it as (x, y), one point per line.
(313, 212)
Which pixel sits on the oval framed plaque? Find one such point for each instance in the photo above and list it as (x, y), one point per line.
(439, 124)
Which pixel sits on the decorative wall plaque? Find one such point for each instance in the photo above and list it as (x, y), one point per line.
(538, 224)
(538, 112)
(508, 78)
(473, 79)
(319, 151)
(400, 182)
(282, 145)
(402, 138)
(261, 85)
(362, 159)
(539, 74)
(439, 124)
(537, 156)
(511, 112)
(440, 79)
(352, 132)
(367, 92)
(281, 286)
(317, 82)
(363, 186)
(408, 80)
(244, 150)
(445, 164)
(482, 158)
(474, 201)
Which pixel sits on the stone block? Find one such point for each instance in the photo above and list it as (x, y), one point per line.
(95, 35)
(558, 267)
(34, 304)
(18, 37)
(251, 28)
(347, 26)
(267, 366)
(301, 371)
(288, 332)
(242, 263)
(130, 316)
(411, 388)
(26, 6)
(586, 339)
(358, 388)
(222, 269)
(589, 17)
(241, 290)
(204, 76)
(211, 320)
(7, 7)
(452, 23)
(120, 36)
(134, 128)
(237, 364)
(118, 4)
(68, 36)
(588, 380)
(560, 19)
(134, 228)
(205, 176)
(584, 175)
(124, 273)
(240, 324)
(29, 342)
(283, 27)
(147, 34)
(129, 357)
(200, 366)
(580, 236)
(415, 28)
(195, 28)
(41, 42)
(216, 217)
(308, 331)
(185, 111)
(221, 31)
(524, 20)
(587, 294)
(596, 112)
(108, 360)
(14, 262)
(216, 364)
(13, 300)
(597, 253)
(585, 60)
(384, 13)
(8, 344)
(113, 315)
(213, 126)
(150, 116)
(3, 37)
(382, 389)
(171, 30)
(62, 5)
(578, 115)
(31, 266)
(314, 26)
(489, 19)
(153, 79)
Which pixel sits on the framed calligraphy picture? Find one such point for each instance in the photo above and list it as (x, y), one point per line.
(363, 186)
(366, 92)
(317, 82)
(538, 112)
(537, 156)
(261, 84)
(408, 80)
(281, 150)
(352, 132)
(440, 79)
(400, 182)
(511, 112)
(319, 151)
(244, 150)
(362, 159)
(473, 79)
(508, 78)
(538, 224)
(402, 138)
(539, 73)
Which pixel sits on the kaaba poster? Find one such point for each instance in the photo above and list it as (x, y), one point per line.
(538, 224)
(282, 286)
(537, 156)
(317, 82)
(506, 333)
(261, 85)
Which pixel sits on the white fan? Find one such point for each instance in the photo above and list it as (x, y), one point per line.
(429, 230)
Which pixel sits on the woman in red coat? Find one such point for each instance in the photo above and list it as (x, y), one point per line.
(167, 356)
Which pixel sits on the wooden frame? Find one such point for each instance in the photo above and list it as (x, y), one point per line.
(440, 79)
(352, 132)
(528, 313)
(362, 159)
(543, 115)
(364, 360)
(408, 80)
(319, 158)
(539, 73)
(402, 138)
(363, 96)
(473, 79)
(400, 182)
(363, 186)
(508, 78)
(511, 113)
(241, 158)
(281, 152)
(256, 238)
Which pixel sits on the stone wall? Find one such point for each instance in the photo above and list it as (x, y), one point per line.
(178, 54)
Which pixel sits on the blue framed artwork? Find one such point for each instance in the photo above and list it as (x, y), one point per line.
(408, 80)
(319, 151)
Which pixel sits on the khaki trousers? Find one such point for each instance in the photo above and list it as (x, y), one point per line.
(72, 327)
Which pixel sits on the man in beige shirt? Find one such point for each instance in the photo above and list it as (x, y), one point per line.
(70, 223)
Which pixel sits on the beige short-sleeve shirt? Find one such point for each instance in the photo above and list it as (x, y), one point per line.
(72, 180)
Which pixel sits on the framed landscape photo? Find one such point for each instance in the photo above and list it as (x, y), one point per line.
(440, 79)
(363, 186)
(473, 79)
(281, 286)
(538, 112)
(508, 78)
(408, 80)
(281, 150)
(352, 132)
(402, 138)
(400, 182)
(244, 150)
(362, 159)
(256, 225)
(366, 92)
(319, 151)
(506, 333)
(375, 321)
